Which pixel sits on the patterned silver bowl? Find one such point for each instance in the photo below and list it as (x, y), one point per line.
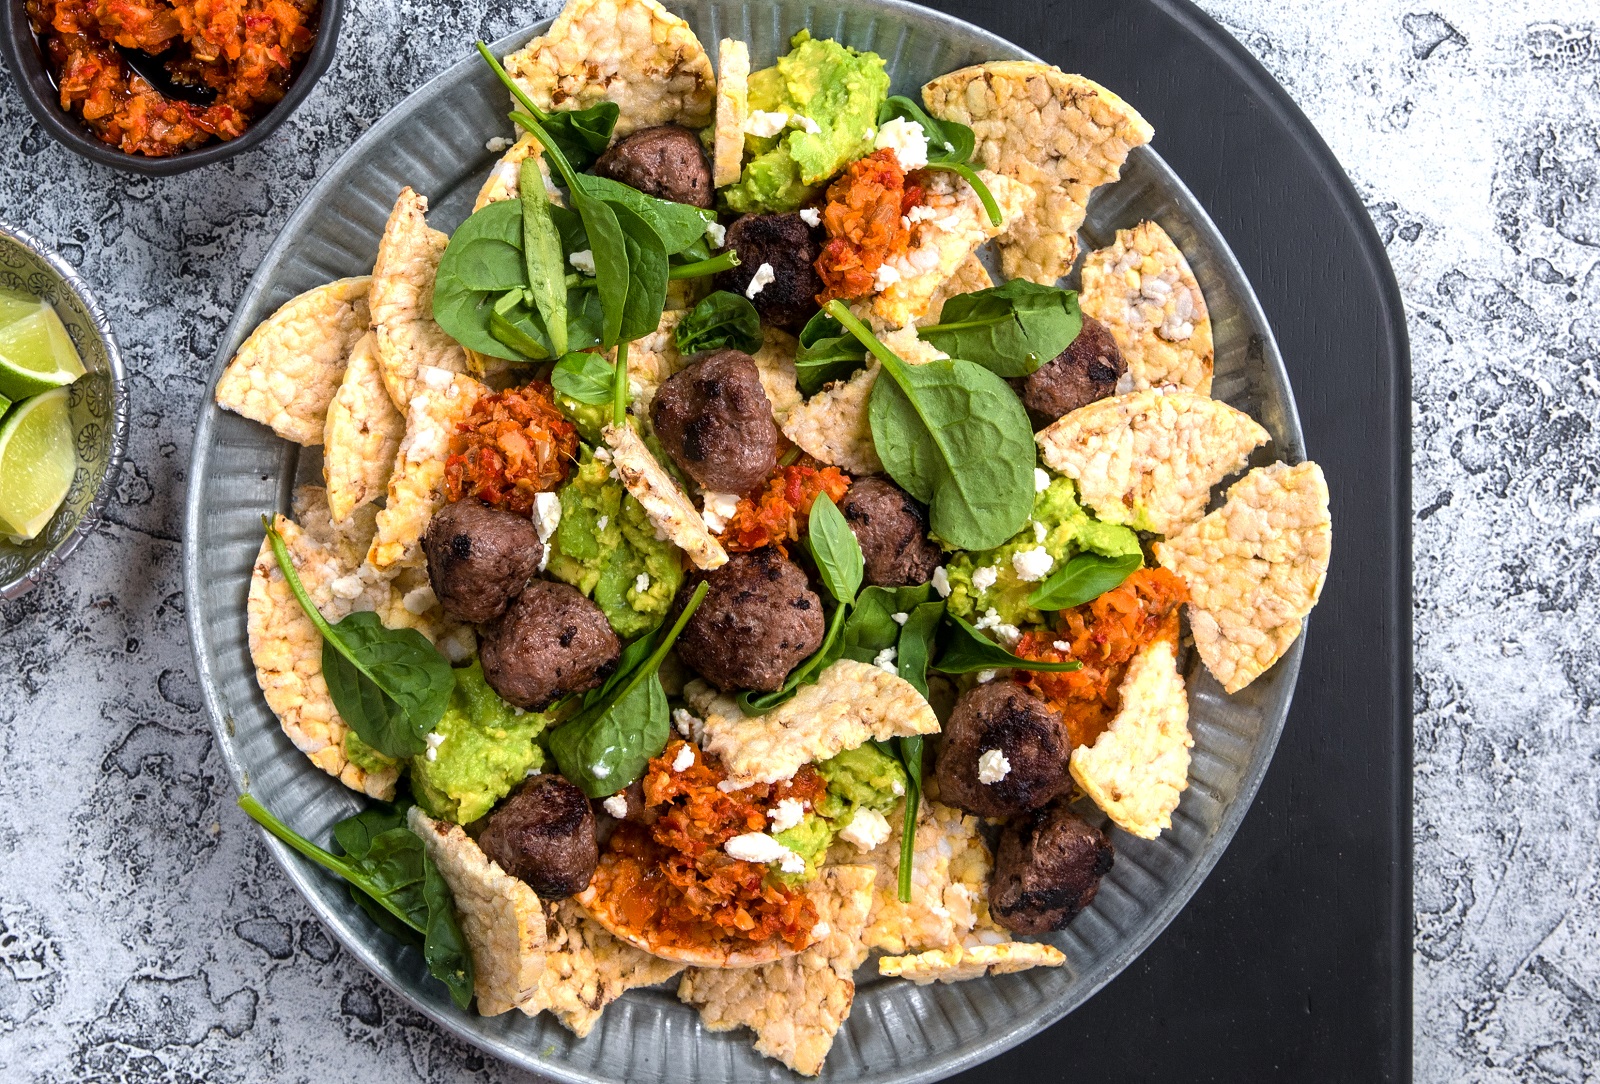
(896, 1032)
(98, 403)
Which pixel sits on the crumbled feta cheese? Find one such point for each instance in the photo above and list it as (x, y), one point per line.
(434, 740)
(941, 582)
(759, 280)
(992, 767)
(602, 523)
(497, 144)
(728, 786)
(811, 216)
(900, 619)
(688, 724)
(717, 509)
(867, 829)
(1032, 564)
(617, 805)
(436, 379)
(872, 133)
(717, 234)
(764, 124)
(990, 619)
(458, 645)
(419, 600)
(786, 814)
(685, 758)
(792, 863)
(884, 660)
(1061, 645)
(920, 213)
(505, 173)
(641, 582)
(897, 788)
(758, 847)
(531, 772)
(583, 260)
(983, 579)
(1041, 479)
(886, 277)
(805, 123)
(908, 141)
(603, 454)
(1039, 531)
(347, 587)
(546, 518)
(986, 676)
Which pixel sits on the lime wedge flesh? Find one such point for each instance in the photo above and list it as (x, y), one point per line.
(14, 306)
(36, 463)
(5, 405)
(36, 354)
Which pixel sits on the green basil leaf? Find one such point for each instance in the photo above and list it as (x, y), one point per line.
(833, 544)
(585, 377)
(541, 249)
(826, 353)
(1011, 329)
(677, 225)
(1082, 579)
(966, 650)
(722, 320)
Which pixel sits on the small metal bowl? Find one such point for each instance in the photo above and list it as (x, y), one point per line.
(98, 404)
(31, 74)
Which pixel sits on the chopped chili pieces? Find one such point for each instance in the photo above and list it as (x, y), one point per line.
(773, 515)
(515, 443)
(865, 219)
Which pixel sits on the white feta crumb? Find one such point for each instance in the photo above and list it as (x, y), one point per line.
(897, 788)
(884, 660)
(717, 509)
(641, 582)
(419, 600)
(688, 724)
(603, 454)
(602, 523)
(821, 930)
(546, 518)
(728, 786)
(986, 676)
(886, 277)
(792, 863)
(1039, 531)
(764, 124)
(505, 173)
(759, 280)
(786, 814)
(941, 582)
(900, 619)
(758, 847)
(1061, 645)
(920, 213)
(992, 767)
(347, 587)
(531, 772)
(583, 260)
(1041, 479)
(685, 758)
(458, 645)
(872, 133)
(805, 123)
(983, 578)
(990, 619)
(1033, 564)
(811, 216)
(867, 829)
(434, 740)
(717, 234)
(437, 379)
(617, 805)
(599, 771)
(497, 144)
(907, 139)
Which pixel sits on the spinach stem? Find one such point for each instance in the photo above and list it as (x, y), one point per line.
(984, 195)
(653, 661)
(699, 269)
(619, 386)
(911, 757)
(280, 553)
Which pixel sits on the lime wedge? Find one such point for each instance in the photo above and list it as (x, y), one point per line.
(36, 354)
(14, 305)
(36, 463)
(5, 405)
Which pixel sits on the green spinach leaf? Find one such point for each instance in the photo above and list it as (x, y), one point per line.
(483, 261)
(677, 225)
(581, 135)
(585, 377)
(910, 748)
(966, 650)
(826, 353)
(722, 320)
(646, 269)
(1011, 329)
(1082, 579)
(541, 249)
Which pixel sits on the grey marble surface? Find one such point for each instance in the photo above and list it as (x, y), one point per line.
(146, 936)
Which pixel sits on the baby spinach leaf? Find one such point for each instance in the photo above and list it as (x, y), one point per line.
(646, 269)
(677, 225)
(826, 352)
(722, 320)
(483, 261)
(585, 377)
(966, 650)
(1082, 579)
(1011, 329)
(390, 685)
(950, 146)
(541, 249)
(834, 547)
(581, 135)
(914, 649)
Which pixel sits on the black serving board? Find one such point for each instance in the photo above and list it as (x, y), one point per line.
(1293, 961)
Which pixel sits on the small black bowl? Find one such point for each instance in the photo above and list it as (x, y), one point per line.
(31, 74)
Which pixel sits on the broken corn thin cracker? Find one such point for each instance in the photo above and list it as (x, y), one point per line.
(651, 360)
(1148, 459)
(775, 365)
(1254, 569)
(1137, 768)
(632, 52)
(287, 371)
(586, 969)
(795, 1006)
(362, 434)
(501, 918)
(970, 277)
(666, 504)
(505, 178)
(833, 425)
(1142, 289)
(850, 703)
(733, 109)
(958, 964)
(402, 301)
(1060, 134)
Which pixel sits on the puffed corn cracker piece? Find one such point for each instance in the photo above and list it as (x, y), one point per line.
(362, 434)
(797, 1005)
(651, 360)
(402, 301)
(850, 703)
(586, 969)
(348, 538)
(1062, 135)
(286, 373)
(505, 178)
(416, 484)
(733, 109)
(1254, 569)
(775, 364)
(1137, 768)
(632, 52)
(1141, 288)
(833, 426)
(501, 917)
(667, 506)
(1148, 459)
(970, 277)
(958, 964)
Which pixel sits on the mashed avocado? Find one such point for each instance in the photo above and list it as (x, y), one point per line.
(589, 418)
(1068, 530)
(488, 747)
(862, 778)
(810, 840)
(606, 543)
(364, 756)
(830, 84)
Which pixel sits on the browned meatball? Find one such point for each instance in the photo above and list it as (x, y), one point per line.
(893, 532)
(550, 642)
(791, 247)
(1082, 373)
(1002, 715)
(758, 621)
(543, 835)
(1047, 868)
(479, 558)
(666, 161)
(714, 420)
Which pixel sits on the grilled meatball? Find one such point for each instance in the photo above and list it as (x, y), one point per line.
(1085, 371)
(1047, 868)
(791, 248)
(543, 835)
(758, 620)
(666, 161)
(550, 642)
(715, 422)
(893, 532)
(1003, 716)
(479, 558)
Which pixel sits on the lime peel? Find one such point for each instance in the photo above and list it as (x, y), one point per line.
(36, 463)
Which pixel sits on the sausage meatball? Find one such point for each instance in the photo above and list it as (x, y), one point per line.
(1047, 868)
(715, 422)
(1002, 733)
(543, 835)
(758, 620)
(550, 642)
(666, 161)
(790, 247)
(893, 532)
(479, 558)
(1082, 373)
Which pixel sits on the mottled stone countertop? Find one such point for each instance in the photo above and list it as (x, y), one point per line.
(145, 935)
